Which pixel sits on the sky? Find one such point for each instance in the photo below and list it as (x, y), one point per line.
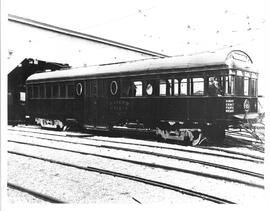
(170, 27)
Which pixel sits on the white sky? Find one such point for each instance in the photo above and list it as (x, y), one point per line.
(170, 27)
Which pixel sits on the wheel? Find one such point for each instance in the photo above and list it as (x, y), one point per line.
(159, 138)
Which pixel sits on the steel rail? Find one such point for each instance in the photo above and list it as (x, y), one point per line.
(155, 165)
(41, 196)
(152, 153)
(252, 146)
(134, 178)
(197, 152)
(231, 152)
(255, 159)
(147, 145)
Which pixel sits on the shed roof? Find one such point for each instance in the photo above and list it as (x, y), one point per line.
(80, 35)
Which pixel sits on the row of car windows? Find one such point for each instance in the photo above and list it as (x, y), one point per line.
(170, 87)
(215, 86)
(178, 87)
(50, 91)
(211, 86)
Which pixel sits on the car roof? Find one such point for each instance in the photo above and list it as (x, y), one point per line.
(232, 59)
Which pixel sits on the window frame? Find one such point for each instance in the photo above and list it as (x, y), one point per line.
(62, 90)
(114, 82)
(70, 93)
(141, 88)
(192, 85)
(253, 84)
(159, 88)
(35, 91)
(246, 86)
(187, 86)
(151, 84)
(176, 87)
(55, 94)
(239, 85)
(169, 86)
(30, 91)
(41, 91)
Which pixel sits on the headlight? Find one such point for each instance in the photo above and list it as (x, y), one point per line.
(246, 105)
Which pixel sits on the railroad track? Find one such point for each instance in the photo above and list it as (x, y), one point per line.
(36, 194)
(244, 143)
(197, 152)
(133, 178)
(215, 148)
(213, 176)
(154, 146)
(256, 159)
(155, 154)
(148, 152)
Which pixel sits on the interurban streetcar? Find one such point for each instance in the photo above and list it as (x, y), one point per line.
(186, 98)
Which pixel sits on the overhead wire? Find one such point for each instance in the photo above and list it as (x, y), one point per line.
(138, 12)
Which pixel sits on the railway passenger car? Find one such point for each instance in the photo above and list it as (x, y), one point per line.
(171, 96)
